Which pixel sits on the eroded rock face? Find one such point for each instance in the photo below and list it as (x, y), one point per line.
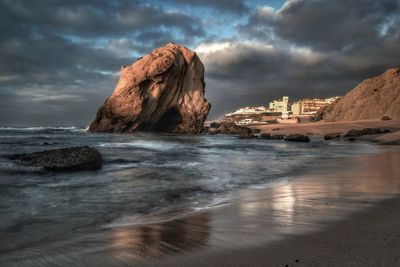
(372, 99)
(163, 91)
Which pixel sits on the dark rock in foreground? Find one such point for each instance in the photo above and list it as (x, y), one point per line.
(297, 138)
(64, 159)
(331, 136)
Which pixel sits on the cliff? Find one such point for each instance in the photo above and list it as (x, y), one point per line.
(372, 99)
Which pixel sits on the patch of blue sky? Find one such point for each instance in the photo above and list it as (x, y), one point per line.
(276, 4)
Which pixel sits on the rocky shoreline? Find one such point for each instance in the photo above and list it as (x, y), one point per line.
(256, 133)
(377, 131)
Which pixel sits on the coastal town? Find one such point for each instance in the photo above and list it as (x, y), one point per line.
(281, 110)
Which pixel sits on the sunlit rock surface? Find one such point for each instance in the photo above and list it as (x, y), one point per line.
(163, 91)
(372, 99)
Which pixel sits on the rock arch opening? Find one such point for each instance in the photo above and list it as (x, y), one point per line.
(169, 121)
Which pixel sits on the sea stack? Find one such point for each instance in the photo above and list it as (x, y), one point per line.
(162, 92)
(374, 98)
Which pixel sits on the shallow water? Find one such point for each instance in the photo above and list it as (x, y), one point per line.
(162, 188)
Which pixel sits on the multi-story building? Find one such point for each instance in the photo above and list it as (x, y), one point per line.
(281, 105)
(296, 108)
(311, 106)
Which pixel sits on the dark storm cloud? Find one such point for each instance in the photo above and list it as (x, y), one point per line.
(329, 25)
(234, 6)
(91, 18)
(33, 38)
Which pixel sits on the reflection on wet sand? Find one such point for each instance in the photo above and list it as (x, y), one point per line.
(306, 203)
(151, 241)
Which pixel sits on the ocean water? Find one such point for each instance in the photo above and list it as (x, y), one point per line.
(145, 178)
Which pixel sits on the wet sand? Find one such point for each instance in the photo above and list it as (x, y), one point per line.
(345, 217)
(319, 129)
(367, 238)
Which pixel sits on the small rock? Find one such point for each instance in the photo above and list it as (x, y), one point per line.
(351, 139)
(266, 136)
(353, 133)
(386, 118)
(330, 136)
(247, 136)
(229, 128)
(369, 131)
(365, 131)
(297, 138)
(277, 137)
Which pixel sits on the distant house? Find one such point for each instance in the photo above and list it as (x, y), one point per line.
(248, 110)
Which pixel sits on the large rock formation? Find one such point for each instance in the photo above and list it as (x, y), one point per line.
(372, 99)
(163, 91)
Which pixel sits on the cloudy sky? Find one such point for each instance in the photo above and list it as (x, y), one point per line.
(59, 60)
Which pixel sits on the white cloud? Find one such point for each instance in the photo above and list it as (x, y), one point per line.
(266, 13)
(219, 54)
(207, 48)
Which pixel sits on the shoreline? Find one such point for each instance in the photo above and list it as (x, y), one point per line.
(317, 130)
(357, 226)
(366, 238)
